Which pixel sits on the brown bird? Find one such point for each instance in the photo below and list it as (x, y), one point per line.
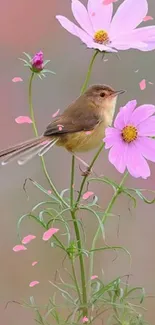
(79, 128)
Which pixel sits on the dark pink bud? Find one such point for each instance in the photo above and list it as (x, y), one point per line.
(37, 62)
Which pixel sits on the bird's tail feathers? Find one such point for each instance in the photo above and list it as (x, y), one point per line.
(25, 151)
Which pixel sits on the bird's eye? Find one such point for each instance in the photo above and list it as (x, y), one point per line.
(102, 94)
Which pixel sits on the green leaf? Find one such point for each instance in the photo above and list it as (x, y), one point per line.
(28, 55)
(112, 248)
(105, 180)
(46, 61)
(98, 218)
(48, 71)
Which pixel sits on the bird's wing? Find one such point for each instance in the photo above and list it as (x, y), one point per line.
(73, 120)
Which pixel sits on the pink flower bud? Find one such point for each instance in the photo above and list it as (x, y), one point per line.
(37, 62)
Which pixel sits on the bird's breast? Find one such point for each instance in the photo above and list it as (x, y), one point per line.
(84, 140)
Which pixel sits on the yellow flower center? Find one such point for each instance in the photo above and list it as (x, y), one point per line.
(101, 36)
(129, 133)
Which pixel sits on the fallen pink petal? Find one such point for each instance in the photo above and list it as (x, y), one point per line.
(17, 79)
(100, 28)
(147, 18)
(28, 239)
(93, 277)
(19, 248)
(142, 84)
(87, 195)
(130, 141)
(49, 192)
(23, 120)
(85, 319)
(33, 284)
(151, 83)
(56, 113)
(34, 263)
(49, 233)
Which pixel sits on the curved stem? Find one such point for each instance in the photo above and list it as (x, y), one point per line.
(105, 215)
(36, 134)
(74, 207)
(75, 280)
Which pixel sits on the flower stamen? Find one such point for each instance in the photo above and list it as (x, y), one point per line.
(129, 133)
(101, 36)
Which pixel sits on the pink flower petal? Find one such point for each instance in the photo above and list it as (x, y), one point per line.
(81, 15)
(56, 113)
(128, 16)
(49, 233)
(34, 263)
(49, 192)
(33, 284)
(87, 195)
(141, 114)
(112, 139)
(93, 277)
(151, 83)
(17, 79)
(19, 248)
(108, 2)
(146, 35)
(99, 14)
(117, 156)
(85, 319)
(146, 18)
(136, 164)
(28, 239)
(23, 119)
(75, 30)
(124, 114)
(147, 147)
(147, 127)
(142, 84)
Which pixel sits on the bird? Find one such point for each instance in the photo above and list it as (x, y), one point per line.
(80, 128)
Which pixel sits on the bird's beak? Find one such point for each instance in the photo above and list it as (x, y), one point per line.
(118, 92)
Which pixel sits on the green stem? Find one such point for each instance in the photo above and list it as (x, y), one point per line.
(36, 134)
(89, 72)
(75, 280)
(106, 213)
(74, 207)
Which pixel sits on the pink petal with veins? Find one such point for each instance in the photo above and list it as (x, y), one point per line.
(146, 18)
(49, 233)
(23, 119)
(56, 113)
(19, 248)
(87, 195)
(142, 84)
(34, 263)
(27, 239)
(33, 284)
(17, 79)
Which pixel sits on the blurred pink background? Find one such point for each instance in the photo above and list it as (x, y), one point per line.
(31, 26)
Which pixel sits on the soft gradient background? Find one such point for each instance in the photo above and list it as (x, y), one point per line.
(31, 26)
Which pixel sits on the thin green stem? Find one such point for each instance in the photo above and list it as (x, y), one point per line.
(105, 215)
(75, 280)
(74, 207)
(87, 174)
(36, 134)
(72, 182)
(89, 72)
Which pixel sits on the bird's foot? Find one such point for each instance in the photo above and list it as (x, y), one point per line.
(86, 172)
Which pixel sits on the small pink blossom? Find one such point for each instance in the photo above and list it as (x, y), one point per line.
(142, 84)
(49, 233)
(34, 263)
(19, 248)
(37, 62)
(93, 277)
(23, 120)
(28, 239)
(17, 79)
(33, 284)
(130, 141)
(85, 319)
(87, 195)
(99, 29)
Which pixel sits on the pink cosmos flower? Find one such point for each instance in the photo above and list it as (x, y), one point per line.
(100, 31)
(130, 139)
(37, 61)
